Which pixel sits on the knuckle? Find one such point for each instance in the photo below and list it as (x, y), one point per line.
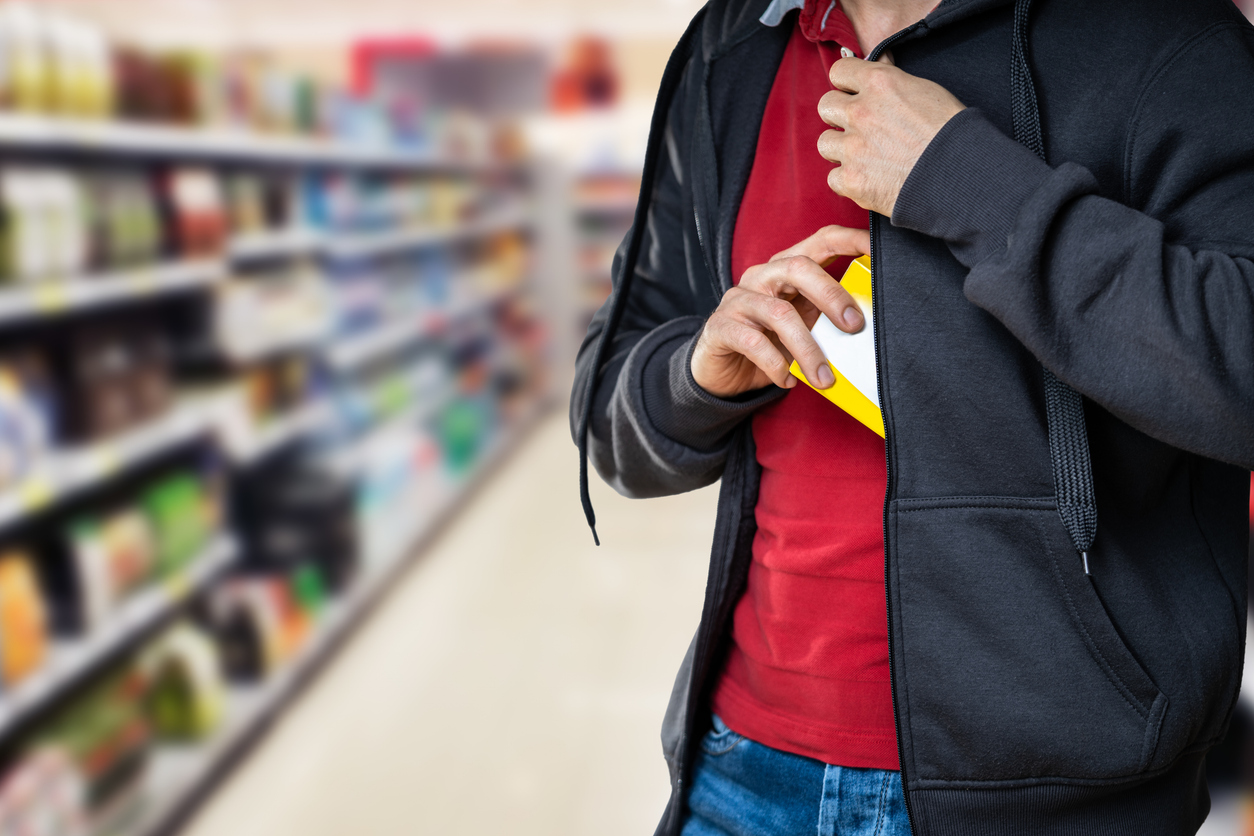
(851, 178)
(779, 311)
(878, 80)
(752, 341)
(795, 265)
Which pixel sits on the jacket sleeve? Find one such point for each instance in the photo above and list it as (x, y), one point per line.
(1144, 305)
(652, 430)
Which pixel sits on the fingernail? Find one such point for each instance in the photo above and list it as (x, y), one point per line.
(852, 317)
(825, 377)
(792, 381)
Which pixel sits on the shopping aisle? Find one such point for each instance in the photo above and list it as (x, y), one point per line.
(513, 682)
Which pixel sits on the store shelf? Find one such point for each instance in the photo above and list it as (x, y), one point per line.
(352, 245)
(73, 471)
(278, 243)
(470, 307)
(54, 297)
(73, 660)
(351, 458)
(179, 776)
(265, 346)
(41, 133)
(279, 432)
(347, 354)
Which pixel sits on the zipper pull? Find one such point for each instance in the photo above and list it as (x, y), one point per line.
(1085, 555)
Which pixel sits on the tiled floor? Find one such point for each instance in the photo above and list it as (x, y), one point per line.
(513, 683)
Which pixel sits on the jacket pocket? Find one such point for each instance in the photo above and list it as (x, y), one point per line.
(1008, 664)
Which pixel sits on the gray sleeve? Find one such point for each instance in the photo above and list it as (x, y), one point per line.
(1147, 311)
(653, 431)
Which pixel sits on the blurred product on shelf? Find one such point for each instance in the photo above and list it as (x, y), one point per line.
(587, 77)
(364, 202)
(295, 516)
(54, 64)
(184, 511)
(28, 414)
(260, 201)
(114, 373)
(260, 624)
(194, 211)
(123, 219)
(127, 543)
(23, 619)
(43, 793)
(109, 557)
(186, 697)
(245, 626)
(44, 223)
(277, 386)
(106, 736)
(57, 223)
(258, 316)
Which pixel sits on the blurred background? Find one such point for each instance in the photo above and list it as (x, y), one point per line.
(290, 539)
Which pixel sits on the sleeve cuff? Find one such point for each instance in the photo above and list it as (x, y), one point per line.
(675, 404)
(968, 186)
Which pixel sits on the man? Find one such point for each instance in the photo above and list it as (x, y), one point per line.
(1061, 224)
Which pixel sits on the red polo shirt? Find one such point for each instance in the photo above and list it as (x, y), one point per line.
(808, 667)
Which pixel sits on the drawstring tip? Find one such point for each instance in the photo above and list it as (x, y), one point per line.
(595, 538)
(1085, 555)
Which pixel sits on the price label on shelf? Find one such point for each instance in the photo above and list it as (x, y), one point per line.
(51, 296)
(178, 587)
(35, 493)
(141, 281)
(100, 463)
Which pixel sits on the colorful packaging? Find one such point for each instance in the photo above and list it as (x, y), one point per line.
(186, 695)
(43, 794)
(23, 620)
(27, 416)
(180, 514)
(196, 212)
(106, 736)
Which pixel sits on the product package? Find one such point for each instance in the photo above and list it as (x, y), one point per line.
(851, 356)
(23, 623)
(186, 693)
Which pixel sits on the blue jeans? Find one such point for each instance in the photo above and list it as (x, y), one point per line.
(742, 788)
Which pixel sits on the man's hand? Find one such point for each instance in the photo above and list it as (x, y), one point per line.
(765, 321)
(888, 118)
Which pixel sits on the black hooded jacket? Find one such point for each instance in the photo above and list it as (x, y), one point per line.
(1030, 698)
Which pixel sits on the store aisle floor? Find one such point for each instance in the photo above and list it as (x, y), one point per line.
(513, 682)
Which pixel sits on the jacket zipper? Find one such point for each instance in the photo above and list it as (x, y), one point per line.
(888, 458)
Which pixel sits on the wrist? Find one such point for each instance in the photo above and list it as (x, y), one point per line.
(968, 186)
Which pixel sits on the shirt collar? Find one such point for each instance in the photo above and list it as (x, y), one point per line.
(820, 20)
